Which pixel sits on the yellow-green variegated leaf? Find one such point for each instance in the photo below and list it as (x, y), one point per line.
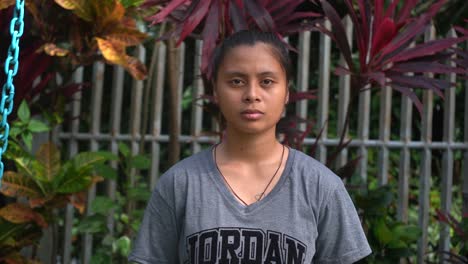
(126, 36)
(52, 50)
(112, 52)
(18, 213)
(136, 68)
(48, 156)
(17, 185)
(6, 3)
(68, 4)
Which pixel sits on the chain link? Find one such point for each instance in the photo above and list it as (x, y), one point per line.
(11, 69)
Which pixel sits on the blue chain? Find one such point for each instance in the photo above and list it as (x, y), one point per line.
(11, 69)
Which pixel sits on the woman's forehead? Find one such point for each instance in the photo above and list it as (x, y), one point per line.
(259, 58)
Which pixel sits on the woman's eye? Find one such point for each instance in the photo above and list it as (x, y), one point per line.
(236, 82)
(267, 82)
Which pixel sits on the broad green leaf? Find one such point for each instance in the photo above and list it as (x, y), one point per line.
(85, 160)
(48, 156)
(101, 258)
(130, 3)
(122, 246)
(107, 155)
(27, 139)
(140, 162)
(138, 194)
(25, 165)
(17, 185)
(105, 171)
(124, 149)
(23, 112)
(381, 232)
(74, 183)
(93, 224)
(102, 205)
(408, 233)
(37, 126)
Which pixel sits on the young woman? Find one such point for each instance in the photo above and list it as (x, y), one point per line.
(250, 199)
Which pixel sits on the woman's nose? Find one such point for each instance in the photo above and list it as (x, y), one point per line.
(252, 93)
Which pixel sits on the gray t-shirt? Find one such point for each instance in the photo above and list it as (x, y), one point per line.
(192, 217)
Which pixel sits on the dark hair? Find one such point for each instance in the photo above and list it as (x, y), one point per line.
(250, 38)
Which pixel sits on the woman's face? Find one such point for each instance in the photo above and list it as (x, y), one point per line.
(251, 89)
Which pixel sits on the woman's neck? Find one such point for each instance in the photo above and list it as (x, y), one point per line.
(249, 148)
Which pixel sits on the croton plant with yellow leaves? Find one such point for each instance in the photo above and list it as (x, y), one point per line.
(83, 29)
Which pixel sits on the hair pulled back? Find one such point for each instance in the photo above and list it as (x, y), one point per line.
(250, 38)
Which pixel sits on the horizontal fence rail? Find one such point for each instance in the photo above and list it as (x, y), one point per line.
(116, 109)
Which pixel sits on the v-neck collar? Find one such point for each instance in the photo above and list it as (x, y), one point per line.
(229, 196)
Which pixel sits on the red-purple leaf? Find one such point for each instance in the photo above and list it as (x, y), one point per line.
(384, 34)
(378, 16)
(237, 16)
(391, 9)
(405, 11)
(433, 67)
(340, 70)
(297, 96)
(210, 35)
(161, 15)
(427, 48)
(194, 19)
(410, 94)
(339, 32)
(260, 15)
(421, 82)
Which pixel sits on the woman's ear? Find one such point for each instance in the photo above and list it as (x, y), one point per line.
(286, 101)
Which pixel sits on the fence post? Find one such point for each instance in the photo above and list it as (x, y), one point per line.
(323, 93)
(425, 177)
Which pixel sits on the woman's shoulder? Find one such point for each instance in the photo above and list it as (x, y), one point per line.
(194, 165)
(311, 170)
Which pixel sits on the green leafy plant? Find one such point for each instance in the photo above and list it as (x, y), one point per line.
(116, 247)
(45, 183)
(390, 240)
(459, 253)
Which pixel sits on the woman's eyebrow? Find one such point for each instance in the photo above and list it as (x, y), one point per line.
(235, 73)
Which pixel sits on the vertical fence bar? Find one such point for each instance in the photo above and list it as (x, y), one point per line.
(363, 130)
(465, 158)
(384, 133)
(404, 167)
(156, 112)
(425, 177)
(323, 93)
(447, 160)
(96, 103)
(116, 114)
(344, 96)
(135, 122)
(303, 74)
(197, 91)
(73, 145)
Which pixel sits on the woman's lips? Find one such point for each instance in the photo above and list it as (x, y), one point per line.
(252, 114)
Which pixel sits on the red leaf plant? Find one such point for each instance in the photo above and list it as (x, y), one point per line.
(384, 37)
(212, 20)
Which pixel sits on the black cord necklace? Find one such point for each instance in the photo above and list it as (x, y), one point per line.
(258, 197)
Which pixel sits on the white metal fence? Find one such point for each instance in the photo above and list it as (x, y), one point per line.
(115, 105)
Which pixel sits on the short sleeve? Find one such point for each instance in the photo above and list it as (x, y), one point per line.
(157, 239)
(341, 238)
